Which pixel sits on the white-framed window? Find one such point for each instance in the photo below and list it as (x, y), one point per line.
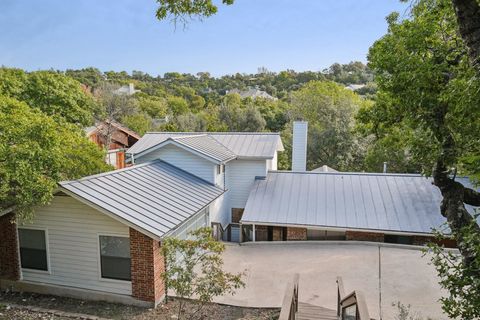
(33, 249)
(115, 261)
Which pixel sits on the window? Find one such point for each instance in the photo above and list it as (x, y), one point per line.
(220, 168)
(393, 238)
(33, 249)
(115, 257)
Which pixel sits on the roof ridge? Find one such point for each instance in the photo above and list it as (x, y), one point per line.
(213, 133)
(108, 173)
(351, 173)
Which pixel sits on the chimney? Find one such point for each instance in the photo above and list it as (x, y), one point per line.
(299, 146)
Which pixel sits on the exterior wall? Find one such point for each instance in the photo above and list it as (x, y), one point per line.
(273, 163)
(184, 160)
(365, 236)
(147, 268)
(9, 256)
(296, 234)
(73, 230)
(219, 178)
(240, 176)
(199, 221)
(299, 146)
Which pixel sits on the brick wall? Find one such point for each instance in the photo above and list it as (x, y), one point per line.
(296, 234)
(261, 233)
(365, 236)
(423, 240)
(9, 261)
(147, 268)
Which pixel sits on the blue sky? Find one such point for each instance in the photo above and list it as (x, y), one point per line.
(125, 35)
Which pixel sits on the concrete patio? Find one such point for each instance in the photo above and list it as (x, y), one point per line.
(402, 275)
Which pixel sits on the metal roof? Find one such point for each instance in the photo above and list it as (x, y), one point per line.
(156, 196)
(205, 145)
(244, 145)
(324, 168)
(387, 202)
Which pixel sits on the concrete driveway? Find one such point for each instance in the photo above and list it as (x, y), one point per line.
(402, 275)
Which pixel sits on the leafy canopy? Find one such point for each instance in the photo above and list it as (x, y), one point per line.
(36, 152)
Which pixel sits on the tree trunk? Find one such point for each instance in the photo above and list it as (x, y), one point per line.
(468, 18)
(455, 195)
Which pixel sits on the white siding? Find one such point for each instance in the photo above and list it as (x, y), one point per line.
(299, 146)
(199, 221)
(240, 176)
(273, 163)
(220, 211)
(73, 250)
(184, 160)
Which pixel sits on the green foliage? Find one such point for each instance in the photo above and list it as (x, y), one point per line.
(194, 269)
(53, 93)
(36, 152)
(330, 110)
(177, 105)
(138, 122)
(460, 280)
(187, 9)
(426, 86)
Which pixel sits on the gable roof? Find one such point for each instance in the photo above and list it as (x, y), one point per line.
(101, 124)
(204, 145)
(398, 203)
(155, 197)
(244, 145)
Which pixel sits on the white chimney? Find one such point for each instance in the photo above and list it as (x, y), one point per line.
(299, 146)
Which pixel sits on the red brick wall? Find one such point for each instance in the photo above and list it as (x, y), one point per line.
(147, 268)
(423, 240)
(365, 236)
(9, 261)
(296, 234)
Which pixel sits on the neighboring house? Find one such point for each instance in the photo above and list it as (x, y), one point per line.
(128, 90)
(253, 93)
(101, 236)
(122, 138)
(355, 87)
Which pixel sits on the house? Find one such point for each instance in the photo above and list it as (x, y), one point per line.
(101, 236)
(128, 90)
(252, 93)
(121, 139)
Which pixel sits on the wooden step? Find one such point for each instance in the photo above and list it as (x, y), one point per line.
(308, 311)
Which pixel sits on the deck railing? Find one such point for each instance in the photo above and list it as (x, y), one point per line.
(290, 300)
(351, 306)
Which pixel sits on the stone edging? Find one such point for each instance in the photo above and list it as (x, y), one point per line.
(56, 312)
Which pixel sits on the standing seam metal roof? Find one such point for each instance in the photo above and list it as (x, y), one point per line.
(205, 145)
(388, 202)
(155, 196)
(241, 144)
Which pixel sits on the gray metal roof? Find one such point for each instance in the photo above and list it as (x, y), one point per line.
(155, 196)
(205, 145)
(245, 145)
(388, 202)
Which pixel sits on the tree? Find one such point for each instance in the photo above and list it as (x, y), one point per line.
(194, 269)
(114, 107)
(36, 152)
(425, 84)
(138, 122)
(468, 18)
(330, 110)
(53, 93)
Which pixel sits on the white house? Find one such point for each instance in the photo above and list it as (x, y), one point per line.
(100, 238)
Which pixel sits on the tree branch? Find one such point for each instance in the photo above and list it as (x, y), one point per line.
(471, 197)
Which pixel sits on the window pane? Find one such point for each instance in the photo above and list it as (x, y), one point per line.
(350, 312)
(115, 246)
(115, 257)
(33, 252)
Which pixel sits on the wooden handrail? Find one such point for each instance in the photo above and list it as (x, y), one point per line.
(290, 300)
(353, 298)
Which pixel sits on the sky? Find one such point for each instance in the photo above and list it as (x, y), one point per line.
(125, 35)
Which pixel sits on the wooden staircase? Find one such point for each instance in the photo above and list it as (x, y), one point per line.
(351, 306)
